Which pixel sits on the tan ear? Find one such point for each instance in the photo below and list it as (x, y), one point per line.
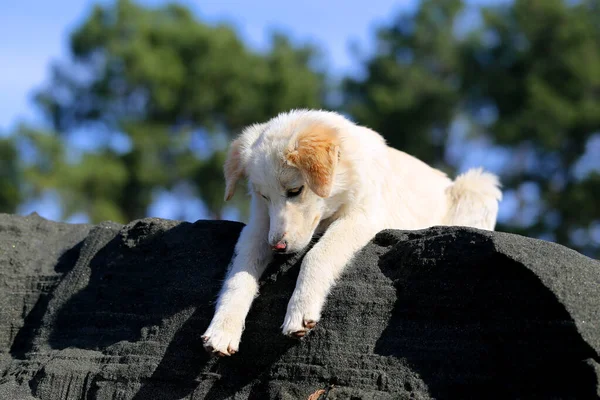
(315, 153)
(233, 169)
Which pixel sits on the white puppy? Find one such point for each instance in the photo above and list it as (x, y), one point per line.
(315, 171)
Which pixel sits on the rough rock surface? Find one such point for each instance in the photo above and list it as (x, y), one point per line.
(116, 312)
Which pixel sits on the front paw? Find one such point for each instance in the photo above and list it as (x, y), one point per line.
(299, 320)
(222, 341)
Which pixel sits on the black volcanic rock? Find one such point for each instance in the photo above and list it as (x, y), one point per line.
(116, 312)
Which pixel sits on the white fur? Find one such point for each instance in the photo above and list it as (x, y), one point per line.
(375, 187)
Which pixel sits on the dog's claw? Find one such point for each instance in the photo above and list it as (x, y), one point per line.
(307, 326)
(227, 353)
(211, 350)
(219, 343)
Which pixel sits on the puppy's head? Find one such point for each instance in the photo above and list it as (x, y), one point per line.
(291, 167)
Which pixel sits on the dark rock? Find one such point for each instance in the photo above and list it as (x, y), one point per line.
(116, 312)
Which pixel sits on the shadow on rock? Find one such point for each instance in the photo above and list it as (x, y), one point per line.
(475, 324)
(244, 374)
(23, 341)
(146, 274)
(151, 293)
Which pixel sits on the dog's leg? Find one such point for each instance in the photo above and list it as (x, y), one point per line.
(241, 284)
(321, 266)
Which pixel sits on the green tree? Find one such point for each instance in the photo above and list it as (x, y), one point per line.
(155, 95)
(152, 96)
(537, 63)
(411, 91)
(526, 79)
(10, 176)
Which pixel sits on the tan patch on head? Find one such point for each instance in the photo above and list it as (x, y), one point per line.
(233, 169)
(315, 153)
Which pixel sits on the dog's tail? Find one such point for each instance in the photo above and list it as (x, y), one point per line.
(473, 200)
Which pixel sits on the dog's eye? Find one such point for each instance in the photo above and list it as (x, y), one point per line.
(295, 192)
(264, 197)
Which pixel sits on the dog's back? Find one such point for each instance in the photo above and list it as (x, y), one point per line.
(418, 196)
(414, 192)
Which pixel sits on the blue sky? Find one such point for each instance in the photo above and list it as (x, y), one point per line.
(40, 29)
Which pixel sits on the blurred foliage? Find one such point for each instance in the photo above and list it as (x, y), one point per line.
(149, 98)
(526, 79)
(411, 90)
(170, 91)
(538, 64)
(10, 176)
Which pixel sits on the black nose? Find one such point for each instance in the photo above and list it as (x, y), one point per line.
(280, 246)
